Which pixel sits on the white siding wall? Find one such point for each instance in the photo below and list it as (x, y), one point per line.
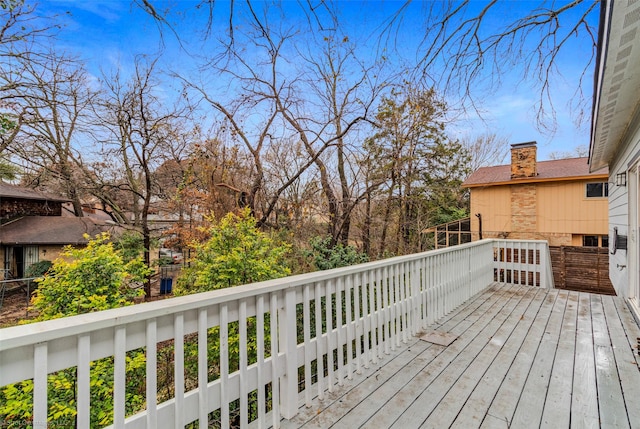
(619, 208)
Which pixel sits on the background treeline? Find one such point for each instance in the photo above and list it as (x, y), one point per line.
(316, 133)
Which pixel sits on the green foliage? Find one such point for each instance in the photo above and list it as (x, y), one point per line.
(419, 167)
(80, 281)
(88, 279)
(8, 171)
(130, 244)
(38, 269)
(16, 402)
(6, 124)
(326, 257)
(10, 4)
(237, 253)
(445, 170)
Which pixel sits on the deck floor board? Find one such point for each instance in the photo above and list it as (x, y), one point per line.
(524, 357)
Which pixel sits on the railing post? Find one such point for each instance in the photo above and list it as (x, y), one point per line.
(546, 271)
(287, 344)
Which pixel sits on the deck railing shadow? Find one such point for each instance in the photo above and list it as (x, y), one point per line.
(256, 353)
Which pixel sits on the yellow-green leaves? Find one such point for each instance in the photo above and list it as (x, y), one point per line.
(237, 253)
(87, 279)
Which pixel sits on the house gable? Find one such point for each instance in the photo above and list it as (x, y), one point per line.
(538, 200)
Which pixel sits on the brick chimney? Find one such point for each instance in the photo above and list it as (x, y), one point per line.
(523, 160)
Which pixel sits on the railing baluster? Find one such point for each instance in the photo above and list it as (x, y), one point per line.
(429, 290)
(224, 366)
(424, 278)
(359, 336)
(350, 327)
(319, 352)
(527, 261)
(260, 328)
(340, 328)
(203, 369)
(379, 313)
(330, 337)
(83, 418)
(386, 309)
(372, 316)
(396, 311)
(275, 376)
(178, 365)
(287, 331)
(151, 373)
(415, 296)
(244, 362)
(119, 376)
(40, 371)
(403, 300)
(366, 320)
(306, 327)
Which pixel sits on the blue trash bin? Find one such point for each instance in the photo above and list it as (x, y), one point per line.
(165, 285)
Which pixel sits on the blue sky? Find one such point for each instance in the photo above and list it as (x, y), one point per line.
(109, 33)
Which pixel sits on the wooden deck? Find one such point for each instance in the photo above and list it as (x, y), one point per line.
(523, 358)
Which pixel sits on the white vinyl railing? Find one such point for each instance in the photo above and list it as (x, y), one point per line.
(281, 343)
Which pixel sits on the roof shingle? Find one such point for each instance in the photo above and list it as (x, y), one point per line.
(12, 191)
(561, 169)
(32, 230)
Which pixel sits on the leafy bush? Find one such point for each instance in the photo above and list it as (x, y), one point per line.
(88, 279)
(130, 244)
(82, 280)
(326, 257)
(38, 269)
(237, 253)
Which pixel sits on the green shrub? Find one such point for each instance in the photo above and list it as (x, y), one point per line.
(38, 269)
(326, 257)
(82, 280)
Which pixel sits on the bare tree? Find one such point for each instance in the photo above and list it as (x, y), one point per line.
(53, 97)
(486, 149)
(469, 46)
(346, 88)
(295, 86)
(21, 35)
(142, 129)
(270, 108)
(579, 151)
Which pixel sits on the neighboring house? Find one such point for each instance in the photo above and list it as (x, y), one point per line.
(615, 140)
(35, 226)
(560, 201)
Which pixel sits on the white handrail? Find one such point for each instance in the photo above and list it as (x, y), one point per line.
(320, 327)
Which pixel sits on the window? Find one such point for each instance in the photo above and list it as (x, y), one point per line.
(590, 240)
(595, 240)
(597, 190)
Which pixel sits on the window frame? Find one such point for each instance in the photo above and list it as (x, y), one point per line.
(590, 238)
(604, 190)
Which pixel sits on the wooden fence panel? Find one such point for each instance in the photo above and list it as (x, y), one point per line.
(584, 269)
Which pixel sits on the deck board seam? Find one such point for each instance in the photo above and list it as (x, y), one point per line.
(531, 295)
(502, 292)
(491, 325)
